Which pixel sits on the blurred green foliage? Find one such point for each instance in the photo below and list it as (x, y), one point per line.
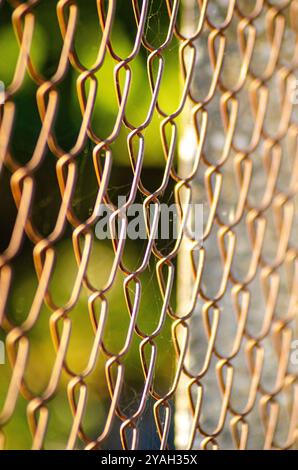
(45, 53)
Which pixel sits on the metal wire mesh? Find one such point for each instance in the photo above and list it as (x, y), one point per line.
(99, 353)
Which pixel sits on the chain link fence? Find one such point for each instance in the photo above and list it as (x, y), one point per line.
(181, 338)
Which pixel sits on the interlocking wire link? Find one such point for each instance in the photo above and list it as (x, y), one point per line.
(207, 90)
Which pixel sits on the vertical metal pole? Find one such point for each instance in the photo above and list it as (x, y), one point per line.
(187, 150)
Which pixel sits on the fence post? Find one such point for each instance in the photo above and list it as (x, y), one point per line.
(187, 149)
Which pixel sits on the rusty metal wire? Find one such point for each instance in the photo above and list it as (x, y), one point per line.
(231, 54)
